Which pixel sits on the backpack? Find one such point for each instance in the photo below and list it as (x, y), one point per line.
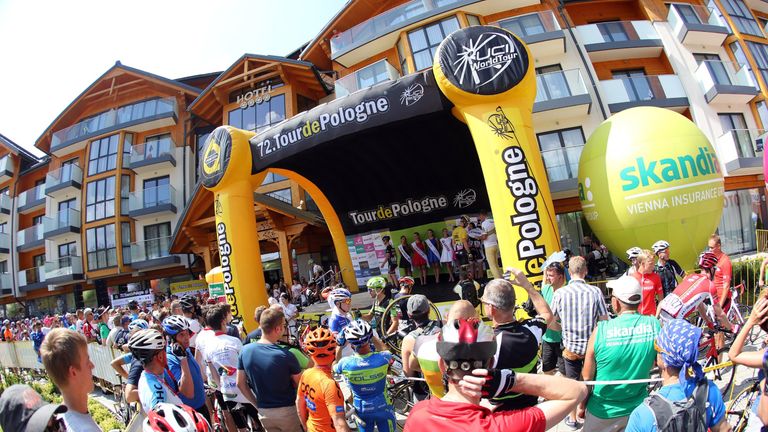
(469, 292)
(688, 415)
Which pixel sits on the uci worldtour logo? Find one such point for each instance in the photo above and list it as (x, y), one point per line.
(483, 60)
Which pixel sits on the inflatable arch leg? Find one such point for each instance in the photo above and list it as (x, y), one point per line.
(333, 223)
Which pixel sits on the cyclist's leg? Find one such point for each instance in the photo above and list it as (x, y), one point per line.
(238, 414)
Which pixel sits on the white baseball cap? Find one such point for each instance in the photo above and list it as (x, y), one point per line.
(627, 289)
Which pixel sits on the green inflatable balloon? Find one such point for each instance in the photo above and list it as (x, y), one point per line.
(649, 174)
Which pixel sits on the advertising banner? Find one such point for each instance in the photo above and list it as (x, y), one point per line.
(121, 300)
(188, 287)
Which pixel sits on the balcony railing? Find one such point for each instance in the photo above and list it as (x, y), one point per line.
(531, 24)
(714, 72)
(31, 276)
(150, 249)
(6, 166)
(747, 143)
(617, 31)
(387, 22)
(31, 196)
(129, 114)
(65, 220)
(29, 235)
(5, 242)
(6, 203)
(559, 84)
(642, 88)
(149, 198)
(62, 176)
(370, 75)
(6, 281)
(157, 150)
(64, 268)
(683, 15)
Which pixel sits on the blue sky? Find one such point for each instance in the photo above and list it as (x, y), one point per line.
(52, 50)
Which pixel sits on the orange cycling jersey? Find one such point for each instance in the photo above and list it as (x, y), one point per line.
(692, 290)
(323, 397)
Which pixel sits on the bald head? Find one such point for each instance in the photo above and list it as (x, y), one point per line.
(461, 309)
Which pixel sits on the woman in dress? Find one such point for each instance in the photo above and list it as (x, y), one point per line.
(419, 257)
(405, 255)
(433, 254)
(446, 256)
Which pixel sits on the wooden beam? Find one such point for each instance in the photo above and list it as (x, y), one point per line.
(246, 74)
(204, 221)
(108, 91)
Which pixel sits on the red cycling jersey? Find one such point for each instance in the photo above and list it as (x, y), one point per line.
(692, 290)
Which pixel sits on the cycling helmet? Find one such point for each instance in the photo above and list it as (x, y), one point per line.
(707, 260)
(339, 294)
(320, 343)
(167, 417)
(358, 332)
(145, 343)
(376, 283)
(466, 344)
(188, 304)
(175, 324)
(633, 252)
(138, 324)
(660, 246)
(406, 280)
(464, 218)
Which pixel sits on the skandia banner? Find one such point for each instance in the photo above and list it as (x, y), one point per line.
(649, 174)
(488, 74)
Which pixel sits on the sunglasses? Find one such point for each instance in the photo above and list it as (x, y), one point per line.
(346, 301)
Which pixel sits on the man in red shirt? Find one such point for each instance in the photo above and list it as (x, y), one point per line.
(650, 281)
(467, 347)
(722, 281)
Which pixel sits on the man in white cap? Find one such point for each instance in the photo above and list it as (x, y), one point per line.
(619, 349)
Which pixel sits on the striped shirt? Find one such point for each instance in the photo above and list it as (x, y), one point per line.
(578, 306)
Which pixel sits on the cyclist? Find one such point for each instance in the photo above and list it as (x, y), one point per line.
(171, 418)
(425, 330)
(366, 372)
(632, 254)
(377, 288)
(191, 386)
(340, 300)
(156, 385)
(399, 312)
(695, 291)
(319, 402)
(667, 269)
(650, 282)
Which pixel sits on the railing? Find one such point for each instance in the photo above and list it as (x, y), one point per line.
(715, 72)
(387, 22)
(6, 281)
(530, 24)
(152, 150)
(642, 88)
(365, 77)
(559, 84)
(6, 164)
(150, 249)
(562, 163)
(62, 175)
(109, 119)
(762, 240)
(63, 219)
(6, 202)
(31, 195)
(29, 235)
(31, 275)
(65, 266)
(742, 141)
(5, 241)
(152, 197)
(701, 15)
(617, 31)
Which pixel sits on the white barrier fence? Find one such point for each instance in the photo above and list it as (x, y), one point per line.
(22, 355)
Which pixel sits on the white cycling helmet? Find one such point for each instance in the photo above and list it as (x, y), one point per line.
(358, 332)
(145, 343)
(660, 246)
(138, 324)
(633, 252)
(175, 324)
(167, 417)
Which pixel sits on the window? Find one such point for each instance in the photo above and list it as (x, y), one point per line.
(424, 41)
(742, 17)
(157, 191)
(715, 66)
(127, 145)
(259, 116)
(473, 20)
(66, 170)
(401, 55)
(157, 145)
(66, 252)
(125, 237)
(103, 155)
(63, 216)
(636, 83)
(735, 124)
(157, 240)
(38, 260)
(741, 58)
(4, 267)
(526, 25)
(760, 53)
(100, 199)
(740, 217)
(762, 112)
(560, 151)
(125, 194)
(100, 245)
(37, 220)
(551, 83)
(372, 74)
(4, 227)
(273, 178)
(571, 230)
(281, 194)
(613, 31)
(687, 13)
(5, 191)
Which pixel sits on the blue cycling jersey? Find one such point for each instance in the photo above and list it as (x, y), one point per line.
(367, 376)
(336, 324)
(153, 390)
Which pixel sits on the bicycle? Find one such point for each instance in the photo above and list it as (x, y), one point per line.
(123, 408)
(721, 374)
(737, 412)
(394, 340)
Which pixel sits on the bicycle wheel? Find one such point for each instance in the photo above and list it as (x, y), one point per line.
(721, 374)
(737, 413)
(401, 395)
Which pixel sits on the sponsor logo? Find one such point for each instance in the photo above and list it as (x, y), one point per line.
(216, 153)
(225, 253)
(653, 172)
(212, 157)
(640, 330)
(395, 210)
(465, 198)
(501, 126)
(411, 94)
(492, 51)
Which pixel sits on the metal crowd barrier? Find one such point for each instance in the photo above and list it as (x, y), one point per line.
(21, 355)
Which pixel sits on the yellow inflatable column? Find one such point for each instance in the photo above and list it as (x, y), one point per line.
(488, 74)
(226, 171)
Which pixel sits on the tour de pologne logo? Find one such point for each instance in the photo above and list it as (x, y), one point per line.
(465, 198)
(483, 60)
(501, 126)
(411, 94)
